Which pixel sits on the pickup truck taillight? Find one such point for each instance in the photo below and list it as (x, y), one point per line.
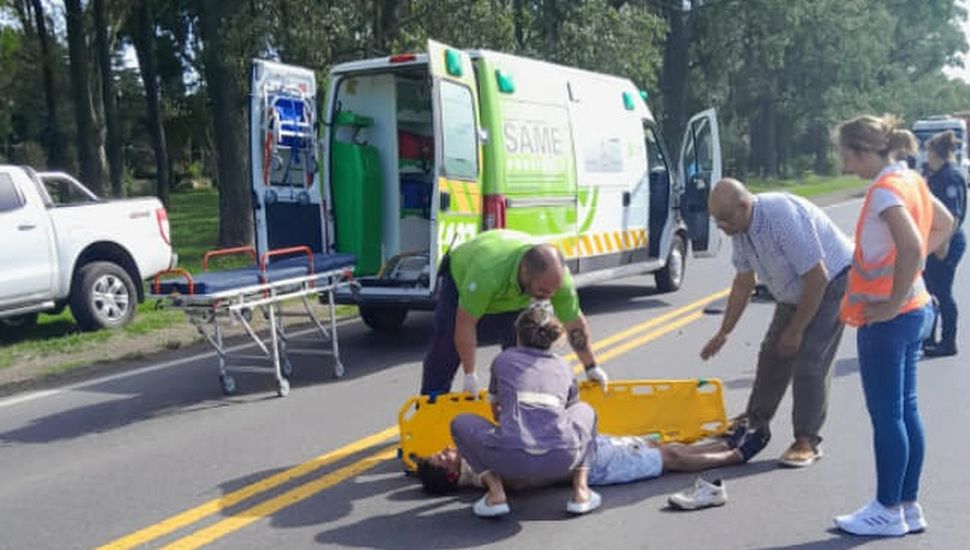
(163, 226)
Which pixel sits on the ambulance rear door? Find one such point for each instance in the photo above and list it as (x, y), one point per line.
(456, 205)
(700, 169)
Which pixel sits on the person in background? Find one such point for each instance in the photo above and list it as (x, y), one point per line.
(949, 186)
(900, 223)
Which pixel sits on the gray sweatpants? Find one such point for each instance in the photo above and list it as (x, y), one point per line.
(474, 437)
(809, 371)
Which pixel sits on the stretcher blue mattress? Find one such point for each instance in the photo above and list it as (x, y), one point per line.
(214, 282)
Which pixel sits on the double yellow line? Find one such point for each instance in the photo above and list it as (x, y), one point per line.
(638, 335)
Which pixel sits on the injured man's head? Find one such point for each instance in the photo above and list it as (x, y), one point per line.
(443, 472)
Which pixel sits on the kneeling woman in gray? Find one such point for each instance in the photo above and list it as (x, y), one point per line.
(543, 431)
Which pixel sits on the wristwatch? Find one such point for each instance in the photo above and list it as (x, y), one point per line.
(590, 366)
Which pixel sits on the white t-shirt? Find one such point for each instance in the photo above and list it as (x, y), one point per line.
(877, 240)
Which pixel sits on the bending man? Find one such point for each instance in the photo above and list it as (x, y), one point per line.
(483, 285)
(803, 259)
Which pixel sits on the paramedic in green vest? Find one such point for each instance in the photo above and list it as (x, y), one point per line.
(483, 284)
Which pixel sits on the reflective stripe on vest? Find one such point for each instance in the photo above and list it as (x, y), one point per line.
(873, 281)
(539, 399)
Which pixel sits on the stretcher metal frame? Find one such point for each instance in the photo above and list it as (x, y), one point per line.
(208, 312)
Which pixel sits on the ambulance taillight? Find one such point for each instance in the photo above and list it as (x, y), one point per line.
(494, 212)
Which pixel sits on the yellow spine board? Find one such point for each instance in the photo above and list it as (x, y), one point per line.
(670, 410)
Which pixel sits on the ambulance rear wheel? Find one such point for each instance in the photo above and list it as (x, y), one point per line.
(671, 277)
(384, 318)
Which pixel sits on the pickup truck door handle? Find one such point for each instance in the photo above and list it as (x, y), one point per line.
(26, 226)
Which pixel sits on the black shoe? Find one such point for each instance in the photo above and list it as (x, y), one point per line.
(940, 351)
(735, 437)
(754, 443)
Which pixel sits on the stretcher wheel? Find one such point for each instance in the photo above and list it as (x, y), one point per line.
(286, 368)
(228, 384)
(284, 388)
(338, 370)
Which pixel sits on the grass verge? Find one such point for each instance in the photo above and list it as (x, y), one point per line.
(808, 187)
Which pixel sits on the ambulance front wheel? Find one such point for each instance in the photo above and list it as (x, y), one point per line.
(671, 277)
(383, 318)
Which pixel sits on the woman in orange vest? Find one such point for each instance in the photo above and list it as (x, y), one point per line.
(900, 223)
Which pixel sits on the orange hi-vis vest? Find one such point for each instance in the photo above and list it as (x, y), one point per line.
(873, 281)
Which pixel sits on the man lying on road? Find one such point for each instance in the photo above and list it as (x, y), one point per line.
(620, 460)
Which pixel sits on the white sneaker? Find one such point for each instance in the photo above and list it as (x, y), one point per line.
(702, 494)
(874, 520)
(483, 509)
(915, 520)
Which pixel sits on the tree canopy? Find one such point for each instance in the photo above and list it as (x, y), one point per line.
(172, 107)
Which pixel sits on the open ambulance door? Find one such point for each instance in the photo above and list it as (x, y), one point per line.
(700, 169)
(456, 204)
(284, 154)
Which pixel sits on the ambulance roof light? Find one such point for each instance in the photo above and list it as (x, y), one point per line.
(453, 63)
(644, 95)
(628, 101)
(505, 83)
(403, 58)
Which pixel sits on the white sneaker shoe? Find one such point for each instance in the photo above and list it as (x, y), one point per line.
(874, 520)
(702, 494)
(483, 509)
(915, 520)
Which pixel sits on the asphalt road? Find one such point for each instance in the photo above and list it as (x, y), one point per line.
(157, 457)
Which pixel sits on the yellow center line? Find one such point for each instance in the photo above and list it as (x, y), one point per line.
(217, 505)
(293, 496)
(650, 323)
(214, 506)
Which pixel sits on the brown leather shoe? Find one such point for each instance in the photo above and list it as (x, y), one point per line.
(801, 454)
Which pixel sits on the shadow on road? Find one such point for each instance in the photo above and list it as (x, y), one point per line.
(838, 541)
(194, 386)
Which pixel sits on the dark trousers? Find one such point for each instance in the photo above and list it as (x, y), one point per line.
(441, 362)
(809, 371)
(939, 276)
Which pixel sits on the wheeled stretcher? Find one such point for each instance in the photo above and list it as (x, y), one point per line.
(211, 298)
(668, 410)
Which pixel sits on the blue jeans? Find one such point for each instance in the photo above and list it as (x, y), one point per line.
(888, 355)
(939, 276)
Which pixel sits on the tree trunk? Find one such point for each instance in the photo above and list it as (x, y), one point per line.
(115, 155)
(385, 25)
(519, 20)
(88, 140)
(53, 136)
(673, 82)
(226, 99)
(145, 47)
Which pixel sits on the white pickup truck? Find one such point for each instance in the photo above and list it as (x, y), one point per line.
(62, 245)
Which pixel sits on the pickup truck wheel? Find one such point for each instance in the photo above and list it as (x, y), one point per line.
(19, 324)
(383, 319)
(671, 277)
(103, 296)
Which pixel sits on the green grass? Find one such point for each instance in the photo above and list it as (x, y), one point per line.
(809, 186)
(194, 218)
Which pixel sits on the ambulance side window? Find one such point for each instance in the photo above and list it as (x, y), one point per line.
(656, 162)
(459, 132)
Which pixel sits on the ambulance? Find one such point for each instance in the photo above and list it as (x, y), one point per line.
(415, 154)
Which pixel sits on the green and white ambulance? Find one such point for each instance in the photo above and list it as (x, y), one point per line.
(420, 152)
